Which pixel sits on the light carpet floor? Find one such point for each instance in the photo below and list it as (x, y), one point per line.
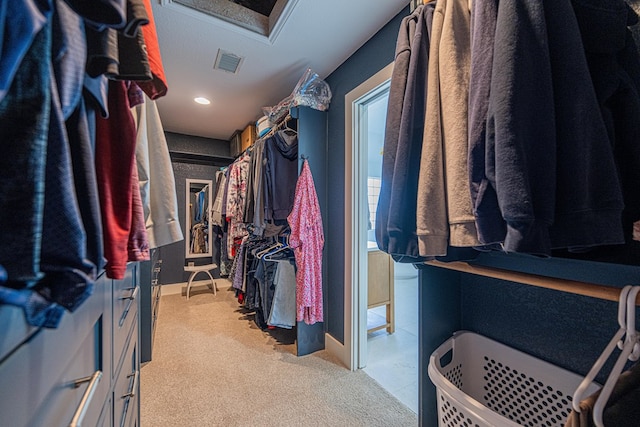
(212, 366)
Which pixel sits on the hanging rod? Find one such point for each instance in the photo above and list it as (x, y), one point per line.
(592, 290)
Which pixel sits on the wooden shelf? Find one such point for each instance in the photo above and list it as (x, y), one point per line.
(592, 290)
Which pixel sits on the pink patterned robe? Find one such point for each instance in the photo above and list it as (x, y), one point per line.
(307, 241)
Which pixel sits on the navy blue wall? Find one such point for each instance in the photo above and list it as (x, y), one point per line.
(373, 56)
(567, 330)
(173, 259)
(179, 142)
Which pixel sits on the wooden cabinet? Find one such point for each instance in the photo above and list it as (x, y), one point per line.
(47, 373)
(380, 287)
(248, 137)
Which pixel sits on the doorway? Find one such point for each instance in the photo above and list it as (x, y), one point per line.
(387, 354)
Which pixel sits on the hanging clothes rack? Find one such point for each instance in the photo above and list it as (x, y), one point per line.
(608, 293)
(284, 123)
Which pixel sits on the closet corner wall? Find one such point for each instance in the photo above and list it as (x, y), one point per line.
(312, 145)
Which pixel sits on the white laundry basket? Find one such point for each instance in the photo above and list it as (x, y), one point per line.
(482, 383)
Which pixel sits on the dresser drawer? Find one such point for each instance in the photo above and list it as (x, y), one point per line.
(38, 381)
(125, 310)
(14, 329)
(106, 418)
(127, 386)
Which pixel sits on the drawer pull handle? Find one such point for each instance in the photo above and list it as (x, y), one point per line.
(129, 395)
(93, 381)
(130, 300)
(134, 387)
(133, 295)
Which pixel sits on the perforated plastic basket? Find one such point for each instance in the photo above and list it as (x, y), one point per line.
(481, 383)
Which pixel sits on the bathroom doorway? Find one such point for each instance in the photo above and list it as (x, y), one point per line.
(383, 336)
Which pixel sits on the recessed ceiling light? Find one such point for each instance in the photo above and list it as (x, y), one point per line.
(202, 100)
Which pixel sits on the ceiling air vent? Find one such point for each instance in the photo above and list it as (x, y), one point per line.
(227, 61)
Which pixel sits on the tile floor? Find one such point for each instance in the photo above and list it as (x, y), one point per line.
(392, 359)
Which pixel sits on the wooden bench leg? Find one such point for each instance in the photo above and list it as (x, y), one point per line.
(391, 318)
(213, 282)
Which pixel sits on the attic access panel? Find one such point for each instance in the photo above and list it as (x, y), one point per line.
(263, 7)
(258, 16)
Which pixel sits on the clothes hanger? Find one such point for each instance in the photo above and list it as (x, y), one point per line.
(263, 252)
(279, 247)
(630, 349)
(268, 255)
(287, 127)
(578, 396)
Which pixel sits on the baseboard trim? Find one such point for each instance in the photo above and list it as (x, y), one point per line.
(337, 349)
(174, 288)
(181, 288)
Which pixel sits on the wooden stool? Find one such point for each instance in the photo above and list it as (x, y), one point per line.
(195, 269)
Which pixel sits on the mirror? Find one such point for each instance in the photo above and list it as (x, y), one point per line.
(198, 238)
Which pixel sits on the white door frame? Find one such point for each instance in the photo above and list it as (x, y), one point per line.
(355, 247)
